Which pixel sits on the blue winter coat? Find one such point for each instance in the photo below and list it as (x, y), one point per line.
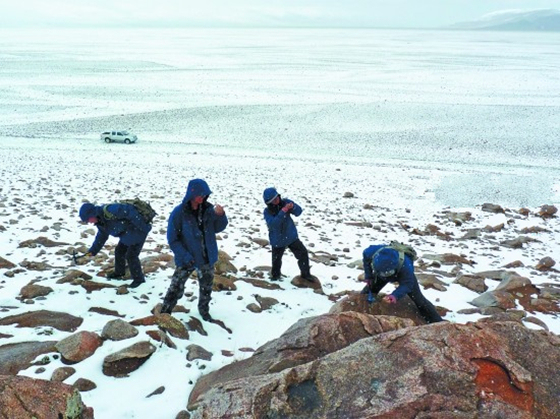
(281, 228)
(124, 222)
(185, 239)
(405, 276)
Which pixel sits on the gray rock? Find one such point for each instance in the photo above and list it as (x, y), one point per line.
(472, 282)
(118, 330)
(499, 299)
(198, 352)
(34, 291)
(513, 281)
(62, 373)
(15, 357)
(122, 363)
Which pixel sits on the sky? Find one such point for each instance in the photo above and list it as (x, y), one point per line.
(251, 13)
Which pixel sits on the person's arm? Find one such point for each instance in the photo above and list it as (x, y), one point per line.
(220, 219)
(99, 242)
(182, 255)
(274, 222)
(296, 209)
(406, 279)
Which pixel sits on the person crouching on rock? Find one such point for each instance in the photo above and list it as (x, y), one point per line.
(191, 234)
(383, 264)
(125, 222)
(282, 233)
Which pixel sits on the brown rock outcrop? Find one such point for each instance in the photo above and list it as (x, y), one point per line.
(305, 341)
(444, 370)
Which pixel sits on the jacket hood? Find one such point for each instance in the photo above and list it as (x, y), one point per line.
(87, 211)
(196, 187)
(386, 262)
(269, 194)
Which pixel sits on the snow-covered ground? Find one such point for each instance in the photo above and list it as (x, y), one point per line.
(263, 119)
(41, 190)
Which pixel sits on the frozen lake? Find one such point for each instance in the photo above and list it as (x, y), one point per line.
(482, 108)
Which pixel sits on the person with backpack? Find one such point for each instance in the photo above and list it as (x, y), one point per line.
(191, 235)
(394, 263)
(124, 221)
(282, 233)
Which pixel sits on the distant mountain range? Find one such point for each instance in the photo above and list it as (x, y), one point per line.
(515, 20)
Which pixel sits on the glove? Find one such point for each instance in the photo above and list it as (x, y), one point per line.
(390, 299)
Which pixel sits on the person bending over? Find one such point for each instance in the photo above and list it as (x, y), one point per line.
(383, 264)
(125, 222)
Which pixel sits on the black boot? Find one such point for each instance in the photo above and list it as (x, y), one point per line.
(205, 316)
(136, 283)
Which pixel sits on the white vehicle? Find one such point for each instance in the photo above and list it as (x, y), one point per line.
(119, 137)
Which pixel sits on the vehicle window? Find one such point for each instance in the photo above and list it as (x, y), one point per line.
(125, 132)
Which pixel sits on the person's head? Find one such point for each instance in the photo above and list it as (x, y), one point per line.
(386, 262)
(88, 213)
(197, 191)
(271, 196)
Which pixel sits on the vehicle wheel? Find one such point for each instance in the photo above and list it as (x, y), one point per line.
(107, 140)
(126, 141)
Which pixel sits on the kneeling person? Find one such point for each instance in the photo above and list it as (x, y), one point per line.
(383, 264)
(191, 234)
(125, 222)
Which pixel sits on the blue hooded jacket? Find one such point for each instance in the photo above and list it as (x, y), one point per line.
(281, 228)
(122, 221)
(386, 260)
(187, 241)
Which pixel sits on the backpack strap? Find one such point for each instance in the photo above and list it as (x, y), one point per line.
(108, 215)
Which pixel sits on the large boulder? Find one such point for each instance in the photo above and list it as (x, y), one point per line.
(23, 397)
(443, 370)
(305, 341)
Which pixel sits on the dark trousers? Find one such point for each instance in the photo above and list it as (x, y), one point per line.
(426, 309)
(129, 254)
(299, 251)
(177, 288)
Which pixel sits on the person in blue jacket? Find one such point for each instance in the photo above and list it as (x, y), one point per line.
(283, 234)
(191, 234)
(383, 264)
(122, 221)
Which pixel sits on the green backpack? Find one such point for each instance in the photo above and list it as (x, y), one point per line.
(144, 209)
(403, 249)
